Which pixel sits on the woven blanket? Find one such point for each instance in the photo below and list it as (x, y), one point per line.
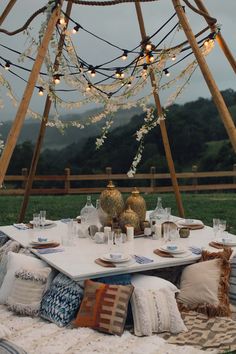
(206, 333)
(37, 336)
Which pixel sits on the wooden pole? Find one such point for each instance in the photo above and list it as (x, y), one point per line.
(221, 41)
(216, 95)
(42, 130)
(21, 112)
(6, 11)
(162, 122)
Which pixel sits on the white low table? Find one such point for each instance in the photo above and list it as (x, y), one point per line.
(77, 262)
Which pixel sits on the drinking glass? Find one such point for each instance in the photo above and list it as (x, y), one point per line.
(166, 232)
(36, 221)
(42, 214)
(110, 240)
(215, 225)
(222, 226)
(168, 213)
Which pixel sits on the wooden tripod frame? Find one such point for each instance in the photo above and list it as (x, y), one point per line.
(21, 112)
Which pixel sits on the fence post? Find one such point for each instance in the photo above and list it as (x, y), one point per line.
(234, 169)
(195, 180)
(152, 179)
(24, 173)
(109, 173)
(67, 180)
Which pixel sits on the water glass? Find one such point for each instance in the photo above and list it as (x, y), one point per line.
(110, 240)
(215, 225)
(167, 213)
(166, 232)
(42, 214)
(36, 221)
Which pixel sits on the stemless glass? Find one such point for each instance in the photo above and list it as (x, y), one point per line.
(215, 225)
(42, 214)
(36, 221)
(222, 226)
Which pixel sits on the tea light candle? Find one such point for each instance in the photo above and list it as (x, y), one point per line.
(147, 231)
(130, 233)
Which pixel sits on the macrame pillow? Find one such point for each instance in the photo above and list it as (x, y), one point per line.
(61, 301)
(27, 291)
(4, 332)
(204, 286)
(155, 311)
(10, 246)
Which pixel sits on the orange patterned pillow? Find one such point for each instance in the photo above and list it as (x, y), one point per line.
(104, 307)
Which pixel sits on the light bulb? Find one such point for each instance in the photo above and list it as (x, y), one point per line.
(75, 29)
(145, 67)
(56, 79)
(7, 65)
(148, 47)
(88, 88)
(118, 74)
(125, 55)
(62, 21)
(93, 72)
(173, 57)
(41, 93)
(151, 57)
(129, 83)
(166, 72)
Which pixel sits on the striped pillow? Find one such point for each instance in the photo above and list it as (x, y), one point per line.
(27, 291)
(232, 281)
(104, 307)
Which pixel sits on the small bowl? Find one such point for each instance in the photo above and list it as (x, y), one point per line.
(42, 239)
(172, 247)
(116, 256)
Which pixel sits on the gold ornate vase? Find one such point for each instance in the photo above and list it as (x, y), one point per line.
(111, 201)
(129, 217)
(137, 204)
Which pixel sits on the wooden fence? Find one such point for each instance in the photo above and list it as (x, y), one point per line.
(151, 182)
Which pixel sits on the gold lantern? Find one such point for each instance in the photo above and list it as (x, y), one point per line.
(137, 204)
(111, 201)
(129, 217)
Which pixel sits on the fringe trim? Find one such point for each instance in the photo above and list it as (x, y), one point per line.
(23, 309)
(223, 309)
(30, 275)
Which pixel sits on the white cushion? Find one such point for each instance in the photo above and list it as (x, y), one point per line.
(155, 311)
(14, 263)
(150, 282)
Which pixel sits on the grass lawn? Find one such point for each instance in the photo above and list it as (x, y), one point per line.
(199, 206)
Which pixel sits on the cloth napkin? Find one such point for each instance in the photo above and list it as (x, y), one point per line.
(49, 250)
(106, 264)
(21, 226)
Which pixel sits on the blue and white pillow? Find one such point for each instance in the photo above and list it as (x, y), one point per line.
(3, 238)
(61, 302)
(232, 281)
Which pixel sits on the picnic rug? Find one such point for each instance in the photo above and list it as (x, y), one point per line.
(206, 333)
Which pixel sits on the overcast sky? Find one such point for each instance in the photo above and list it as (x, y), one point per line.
(119, 25)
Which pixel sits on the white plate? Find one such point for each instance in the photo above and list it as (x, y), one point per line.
(190, 222)
(107, 257)
(47, 222)
(229, 242)
(177, 251)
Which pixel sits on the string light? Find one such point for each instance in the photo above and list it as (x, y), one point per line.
(75, 29)
(62, 21)
(41, 91)
(118, 74)
(125, 55)
(151, 57)
(129, 83)
(56, 79)
(88, 88)
(148, 46)
(173, 58)
(7, 65)
(93, 72)
(166, 72)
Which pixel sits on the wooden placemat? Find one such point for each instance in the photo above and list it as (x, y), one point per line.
(163, 253)
(217, 245)
(105, 264)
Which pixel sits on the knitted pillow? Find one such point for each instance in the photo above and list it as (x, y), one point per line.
(7, 347)
(61, 302)
(204, 286)
(104, 307)
(27, 291)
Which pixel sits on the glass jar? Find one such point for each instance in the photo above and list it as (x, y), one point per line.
(87, 212)
(157, 215)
